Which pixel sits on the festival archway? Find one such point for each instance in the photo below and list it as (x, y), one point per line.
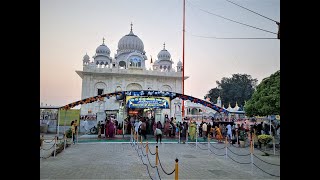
(122, 94)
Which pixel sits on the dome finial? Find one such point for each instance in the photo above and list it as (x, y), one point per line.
(103, 40)
(131, 26)
(164, 45)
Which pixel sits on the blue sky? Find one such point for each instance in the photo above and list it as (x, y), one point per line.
(70, 29)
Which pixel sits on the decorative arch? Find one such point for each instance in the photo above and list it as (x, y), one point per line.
(100, 85)
(172, 95)
(134, 86)
(118, 89)
(166, 88)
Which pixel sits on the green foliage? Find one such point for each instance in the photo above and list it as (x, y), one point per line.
(242, 135)
(69, 133)
(266, 99)
(264, 139)
(239, 88)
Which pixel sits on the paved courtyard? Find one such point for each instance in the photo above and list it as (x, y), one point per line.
(101, 160)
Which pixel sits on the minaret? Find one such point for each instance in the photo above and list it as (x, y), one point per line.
(179, 66)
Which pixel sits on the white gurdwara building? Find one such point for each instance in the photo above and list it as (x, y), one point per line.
(126, 71)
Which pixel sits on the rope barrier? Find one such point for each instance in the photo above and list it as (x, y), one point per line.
(216, 147)
(143, 153)
(49, 148)
(46, 157)
(238, 161)
(265, 161)
(158, 172)
(150, 163)
(151, 152)
(217, 154)
(144, 146)
(241, 147)
(163, 169)
(145, 165)
(201, 148)
(238, 154)
(267, 152)
(48, 142)
(137, 149)
(265, 171)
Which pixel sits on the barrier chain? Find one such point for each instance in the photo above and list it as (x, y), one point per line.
(216, 153)
(265, 171)
(238, 154)
(266, 161)
(216, 147)
(238, 161)
(163, 169)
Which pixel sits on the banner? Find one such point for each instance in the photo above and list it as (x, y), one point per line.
(68, 116)
(133, 102)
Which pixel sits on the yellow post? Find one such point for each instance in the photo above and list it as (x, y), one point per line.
(251, 146)
(176, 172)
(41, 141)
(147, 148)
(226, 141)
(141, 140)
(156, 155)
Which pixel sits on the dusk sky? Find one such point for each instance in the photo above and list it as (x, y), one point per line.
(70, 29)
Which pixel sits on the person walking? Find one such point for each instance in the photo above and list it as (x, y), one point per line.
(158, 134)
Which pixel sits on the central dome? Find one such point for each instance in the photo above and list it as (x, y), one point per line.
(130, 42)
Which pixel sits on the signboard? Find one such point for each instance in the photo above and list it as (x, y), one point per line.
(133, 102)
(68, 116)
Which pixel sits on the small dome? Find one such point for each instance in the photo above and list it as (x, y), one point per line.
(86, 58)
(103, 50)
(179, 63)
(130, 42)
(164, 54)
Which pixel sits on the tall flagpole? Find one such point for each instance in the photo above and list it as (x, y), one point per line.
(183, 31)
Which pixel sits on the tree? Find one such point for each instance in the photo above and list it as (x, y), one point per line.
(266, 99)
(239, 88)
(213, 94)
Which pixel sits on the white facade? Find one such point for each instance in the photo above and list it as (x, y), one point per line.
(127, 71)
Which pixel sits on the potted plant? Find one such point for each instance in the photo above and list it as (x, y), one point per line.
(264, 139)
(242, 137)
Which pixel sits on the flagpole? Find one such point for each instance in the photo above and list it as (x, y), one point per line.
(183, 36)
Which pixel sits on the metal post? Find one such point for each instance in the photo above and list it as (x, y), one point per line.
(226, 147)
(42, 139)
(55, 146)
(147, 148)
(64, 127)
(251, 153)
(58, 122)
(187, 131)
(209, 144)
(274, 148)
(156, 155)
(197, 136)
(123, 128)
(65, 141)
(179, 133)
(176, 172)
